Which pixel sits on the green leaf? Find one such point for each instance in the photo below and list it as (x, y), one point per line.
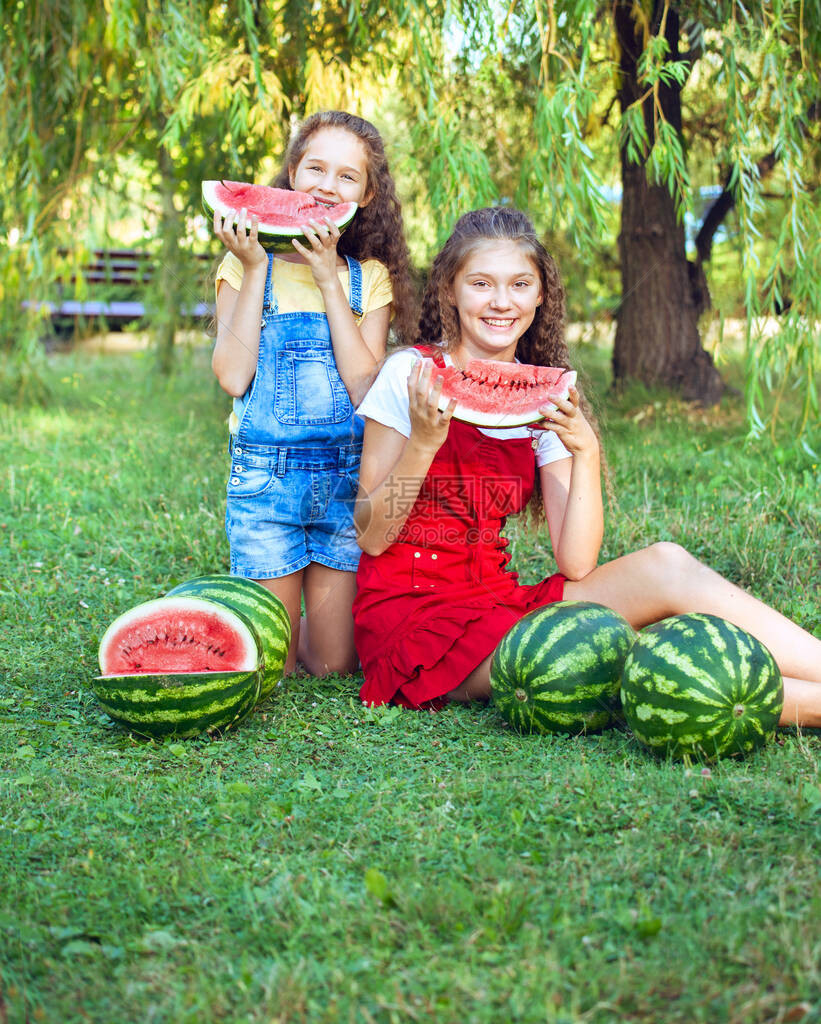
(309, 782)
(647, 927)
(377, 885)
(81, 948)
(159, 941)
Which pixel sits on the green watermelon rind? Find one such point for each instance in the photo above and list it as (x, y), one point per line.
(677, 707)
(178, 705)
(274, 237)
(262, 609)
(577, 691)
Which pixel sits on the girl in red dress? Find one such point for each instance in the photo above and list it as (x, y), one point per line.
(434, 592)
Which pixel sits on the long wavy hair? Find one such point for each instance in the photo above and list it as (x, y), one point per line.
(377, 231)
(543, 343)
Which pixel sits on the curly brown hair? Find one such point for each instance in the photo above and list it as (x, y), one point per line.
(377, 231)
(543, 343)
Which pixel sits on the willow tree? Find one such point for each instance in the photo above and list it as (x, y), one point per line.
(173, 91)
(77, 97)
(91, 94)
(548, 103)
(763, 62)
(582, 97)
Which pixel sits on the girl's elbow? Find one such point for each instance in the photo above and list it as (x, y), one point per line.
(229, 382)
(370, 542)
(573, 573)
(232, 388)
(360, 387)
(575, 569)
(369, 548)
(372, 545)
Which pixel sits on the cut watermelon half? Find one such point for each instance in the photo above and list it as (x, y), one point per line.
(179, 666)
(491, 393)
(282, 212)
(174, 635)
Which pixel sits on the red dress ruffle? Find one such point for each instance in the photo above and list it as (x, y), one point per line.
(436, 603)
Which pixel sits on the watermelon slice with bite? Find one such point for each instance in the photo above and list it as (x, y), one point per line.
(491, 393)
(282, 212)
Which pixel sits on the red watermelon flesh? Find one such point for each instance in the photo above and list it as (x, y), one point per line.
(178, 635)
(490, 393)
(281, 212)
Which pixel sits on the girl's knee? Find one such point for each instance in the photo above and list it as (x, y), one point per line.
(670, 558)
(673, 571)
(342, 667)
(330, 663)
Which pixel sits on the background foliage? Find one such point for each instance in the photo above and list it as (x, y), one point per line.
(112, 114)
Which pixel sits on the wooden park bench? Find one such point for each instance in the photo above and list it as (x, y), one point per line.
(106, 273)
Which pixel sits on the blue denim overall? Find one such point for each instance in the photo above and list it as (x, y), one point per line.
(295, 456)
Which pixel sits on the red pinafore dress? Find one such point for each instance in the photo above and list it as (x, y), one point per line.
(436, 603)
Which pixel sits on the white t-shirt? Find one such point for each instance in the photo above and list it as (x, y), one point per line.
(387, 403)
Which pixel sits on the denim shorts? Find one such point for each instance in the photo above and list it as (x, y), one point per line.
(288, 507)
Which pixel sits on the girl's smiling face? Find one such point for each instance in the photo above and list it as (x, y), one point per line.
(496, 293)
(333, 168)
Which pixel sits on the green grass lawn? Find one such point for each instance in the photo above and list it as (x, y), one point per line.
(326, 862)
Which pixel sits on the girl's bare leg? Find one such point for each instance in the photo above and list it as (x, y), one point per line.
(289, 590)
(802, 703)
(326, 634)
(664, 580)
(476, 686)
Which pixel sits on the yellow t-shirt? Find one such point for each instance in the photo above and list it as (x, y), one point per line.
(295, 288)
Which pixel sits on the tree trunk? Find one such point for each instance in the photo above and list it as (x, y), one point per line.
(169, 279)
(657, 339)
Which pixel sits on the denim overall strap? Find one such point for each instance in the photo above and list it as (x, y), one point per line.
(355, 286)
(269, 299)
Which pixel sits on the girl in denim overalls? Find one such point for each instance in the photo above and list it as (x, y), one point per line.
(299, 339)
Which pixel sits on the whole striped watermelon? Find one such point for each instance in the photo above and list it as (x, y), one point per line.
(559, 668)
(178, 666)
(264, 610)
(698, 685)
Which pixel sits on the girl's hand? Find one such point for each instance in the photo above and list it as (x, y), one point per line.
(569, 424)
(322, 255)
(237, 238)
(429, 426)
